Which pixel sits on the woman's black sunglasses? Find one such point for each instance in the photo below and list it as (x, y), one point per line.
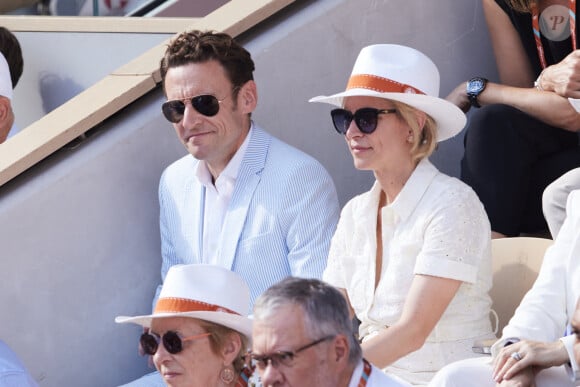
(172, 342)
(205, 104)
(366, 119)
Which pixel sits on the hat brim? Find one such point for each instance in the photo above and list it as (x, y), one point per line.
(449, 118)
(236, 322)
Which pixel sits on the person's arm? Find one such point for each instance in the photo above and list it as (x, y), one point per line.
(427, 300)
(533, 355)
(517, 78)
(572, 367)
(563, 78)
(525, 378)
(545, 106)
(510, 56)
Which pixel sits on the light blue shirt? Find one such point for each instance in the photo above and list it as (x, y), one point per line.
(12, 371)
(279, 221)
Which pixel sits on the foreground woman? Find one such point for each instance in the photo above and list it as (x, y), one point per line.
(198, 334)
(412, 255)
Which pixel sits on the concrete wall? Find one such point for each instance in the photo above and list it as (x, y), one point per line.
(79, 232)
(59, 65)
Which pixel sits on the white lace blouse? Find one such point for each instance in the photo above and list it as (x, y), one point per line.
(436, 226)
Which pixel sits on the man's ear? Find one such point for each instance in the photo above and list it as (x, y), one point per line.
(6, 118)
(248, 97)
(340, 350)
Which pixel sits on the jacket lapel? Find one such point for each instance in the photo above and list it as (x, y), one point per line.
(248, 179)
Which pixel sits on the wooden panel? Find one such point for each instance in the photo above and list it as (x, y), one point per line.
(123, 86)
(142, 25)
(69, 121)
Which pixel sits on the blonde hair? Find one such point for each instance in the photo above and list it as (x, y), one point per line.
(217, 341)
(424, 138)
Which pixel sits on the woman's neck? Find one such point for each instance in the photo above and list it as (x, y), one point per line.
(393, 181)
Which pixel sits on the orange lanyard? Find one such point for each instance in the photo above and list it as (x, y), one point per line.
(536, 28)
(366, 374)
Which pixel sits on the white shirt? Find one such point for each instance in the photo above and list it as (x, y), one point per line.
(377, 378)
(217, 200)
(548, 307)
(436, 226)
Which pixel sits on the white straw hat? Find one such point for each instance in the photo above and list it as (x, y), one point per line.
(206, 292)
(403, 74)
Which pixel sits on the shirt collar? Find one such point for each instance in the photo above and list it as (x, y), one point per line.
(356, 374)
(414, 189)
(231, 170)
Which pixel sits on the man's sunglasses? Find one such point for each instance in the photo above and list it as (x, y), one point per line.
(366, 119)
(205, 104)
(172, 342)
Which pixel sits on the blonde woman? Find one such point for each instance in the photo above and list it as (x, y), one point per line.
(412, 255)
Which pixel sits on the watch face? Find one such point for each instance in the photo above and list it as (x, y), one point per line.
(475, 85)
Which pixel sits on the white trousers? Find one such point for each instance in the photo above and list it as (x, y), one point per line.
(477, 373)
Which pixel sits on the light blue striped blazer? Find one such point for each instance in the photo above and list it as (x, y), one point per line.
(280, 220)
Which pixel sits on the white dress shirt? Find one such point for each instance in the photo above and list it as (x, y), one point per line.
(217, 200)
(436, 226)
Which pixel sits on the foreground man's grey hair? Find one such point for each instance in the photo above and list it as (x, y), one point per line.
(325, 309)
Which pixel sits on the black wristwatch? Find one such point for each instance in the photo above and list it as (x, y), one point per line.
(475, 86)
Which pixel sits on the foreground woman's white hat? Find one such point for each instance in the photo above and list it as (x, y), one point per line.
(205, 292)
(403, 74)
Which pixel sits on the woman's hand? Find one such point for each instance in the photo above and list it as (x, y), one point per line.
(459, 97)
(564, 77)
(531, 354)
(525, 378)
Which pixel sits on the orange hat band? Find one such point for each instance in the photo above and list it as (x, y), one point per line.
(380, 84)
(180, 305)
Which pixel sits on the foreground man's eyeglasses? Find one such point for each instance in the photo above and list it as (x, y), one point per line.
(284, 358)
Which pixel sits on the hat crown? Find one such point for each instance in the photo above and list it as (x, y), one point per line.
(207, 284)
(400, 64)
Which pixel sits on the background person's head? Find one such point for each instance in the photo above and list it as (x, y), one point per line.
(6, 112)
(203, 46)
(207, 79)
(198, 334)
(10, 48)
(212, 354)
(310, 319)
(11, 67)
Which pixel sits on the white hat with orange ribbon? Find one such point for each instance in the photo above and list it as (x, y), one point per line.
(403, 74)
(205, 292)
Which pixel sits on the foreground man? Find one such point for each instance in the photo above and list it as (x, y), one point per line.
(303, 337)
